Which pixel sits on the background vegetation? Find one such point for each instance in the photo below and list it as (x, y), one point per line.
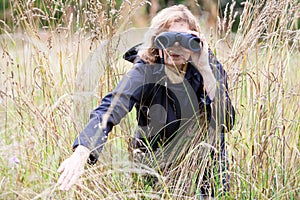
(47, 47)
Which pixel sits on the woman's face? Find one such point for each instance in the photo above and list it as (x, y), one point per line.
(176, 54)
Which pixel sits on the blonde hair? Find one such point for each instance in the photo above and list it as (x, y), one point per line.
(160, 23)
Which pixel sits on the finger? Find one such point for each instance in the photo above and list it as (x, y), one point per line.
(66, 180)
(195, 33)
(202, 37)
(72, 181)
(62, 177)
(61, 167)
(205, 48)
(79, 184)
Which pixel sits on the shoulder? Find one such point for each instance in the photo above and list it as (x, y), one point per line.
(148, 68)
(215, 64)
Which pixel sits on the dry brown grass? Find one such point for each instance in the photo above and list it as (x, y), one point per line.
(41, 93)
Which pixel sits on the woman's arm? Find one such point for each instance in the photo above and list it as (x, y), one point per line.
(114, 106)
(90, 141)
(202, 64)
(226, 111)
(215, 83)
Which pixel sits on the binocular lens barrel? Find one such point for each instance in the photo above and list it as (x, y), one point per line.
(162, 42)
(167, 39)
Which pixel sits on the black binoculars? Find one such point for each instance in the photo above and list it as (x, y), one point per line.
(167, 39)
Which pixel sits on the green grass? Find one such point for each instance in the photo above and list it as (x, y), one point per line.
(42, 111)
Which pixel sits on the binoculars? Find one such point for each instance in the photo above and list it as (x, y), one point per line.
(186, 40)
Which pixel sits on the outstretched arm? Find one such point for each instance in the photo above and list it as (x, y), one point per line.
(90, 141)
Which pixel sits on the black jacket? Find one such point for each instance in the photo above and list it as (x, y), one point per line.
(161, 107)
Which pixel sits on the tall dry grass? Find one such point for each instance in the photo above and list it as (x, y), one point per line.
(51, 79)
(264, 65)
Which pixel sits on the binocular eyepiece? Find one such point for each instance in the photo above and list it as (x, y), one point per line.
(167, 39)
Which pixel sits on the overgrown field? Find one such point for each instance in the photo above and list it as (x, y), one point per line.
(56, 65)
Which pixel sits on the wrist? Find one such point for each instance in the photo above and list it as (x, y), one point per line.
(82, 151)
(209, 82)
(204, 68)
(211, 90)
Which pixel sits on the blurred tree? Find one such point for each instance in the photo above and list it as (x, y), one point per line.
(212, 8)
(157, 5)
(5, 14)
(4, 5)
(58, 12)
(237, 8)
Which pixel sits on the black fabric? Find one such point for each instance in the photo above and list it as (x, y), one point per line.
(144, 86)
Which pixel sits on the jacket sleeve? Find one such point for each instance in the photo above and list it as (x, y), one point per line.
(226, 112)
(114, 106)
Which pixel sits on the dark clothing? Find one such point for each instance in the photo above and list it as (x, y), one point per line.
(162, 107)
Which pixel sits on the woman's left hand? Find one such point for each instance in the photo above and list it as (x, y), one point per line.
(200, 59)
(72, 168)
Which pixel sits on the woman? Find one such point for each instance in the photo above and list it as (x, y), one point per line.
(168, 86)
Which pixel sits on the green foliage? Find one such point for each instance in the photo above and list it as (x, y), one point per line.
(4, 5)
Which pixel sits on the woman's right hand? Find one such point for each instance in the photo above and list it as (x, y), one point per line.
(73, 168)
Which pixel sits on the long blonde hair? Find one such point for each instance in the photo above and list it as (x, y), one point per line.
(160, 23)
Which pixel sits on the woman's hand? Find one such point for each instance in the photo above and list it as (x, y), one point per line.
(73, 168)
(201, 62)
(200, 59)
